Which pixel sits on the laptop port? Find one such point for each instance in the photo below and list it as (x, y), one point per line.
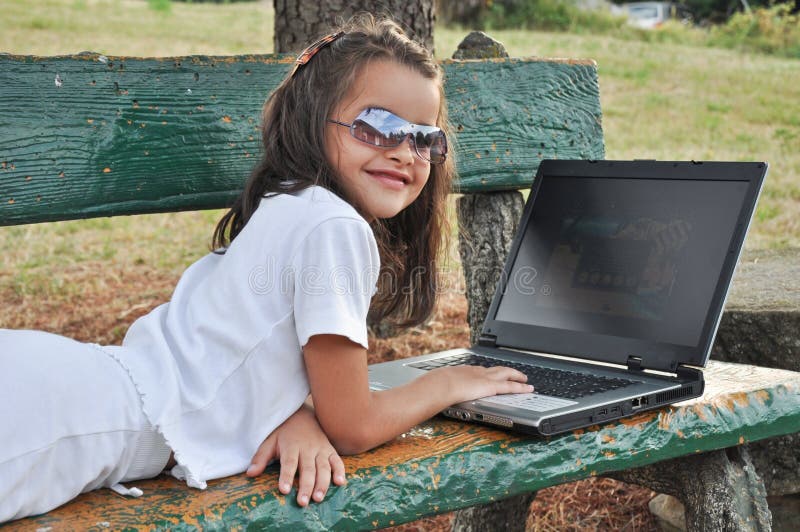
(479, 417)
(602, 412)
(639, 402)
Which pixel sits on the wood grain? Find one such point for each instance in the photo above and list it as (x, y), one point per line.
(88, 135)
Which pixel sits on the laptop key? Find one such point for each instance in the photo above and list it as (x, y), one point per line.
(546, 381)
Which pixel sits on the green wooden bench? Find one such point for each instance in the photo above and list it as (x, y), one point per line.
(88, 135)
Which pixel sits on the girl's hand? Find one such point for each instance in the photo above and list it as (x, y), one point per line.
(299, 441)
(467, 383)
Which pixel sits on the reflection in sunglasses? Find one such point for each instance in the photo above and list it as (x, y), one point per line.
(379, 127)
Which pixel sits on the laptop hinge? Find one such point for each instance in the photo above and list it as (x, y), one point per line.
(635, 364)
(689, 373)
(487, 340)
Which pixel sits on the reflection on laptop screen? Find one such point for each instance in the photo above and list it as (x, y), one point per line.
(638, 258)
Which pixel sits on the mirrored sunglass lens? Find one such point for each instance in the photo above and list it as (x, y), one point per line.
(379, 127)
(366, 133)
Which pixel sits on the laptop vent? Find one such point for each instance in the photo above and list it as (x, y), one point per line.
(673, 395)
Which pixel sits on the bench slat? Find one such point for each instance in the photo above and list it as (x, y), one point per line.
(442, 465)
(88, 135)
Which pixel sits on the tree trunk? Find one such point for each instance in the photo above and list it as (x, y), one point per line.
(487, 223)
(297, 22)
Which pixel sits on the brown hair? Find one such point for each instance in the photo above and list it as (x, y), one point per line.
(294, 120)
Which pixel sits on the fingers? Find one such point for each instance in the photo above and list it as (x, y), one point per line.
(263, 456)
(337, 469)
(323, 479)
(307, 477)
(289, 462)
(506, 380)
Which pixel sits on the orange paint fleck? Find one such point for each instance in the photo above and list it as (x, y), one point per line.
(11, 201)
(27, 178)
(741, 440)
(226, 119)
(89, 121)
(609, 454)
(762, 396)
(607, 438)
(61, 174)
(477, 155)
(578, 433)
(701, 412)
(106, 170)
(680, 433)
(640, 419)
(578, 462)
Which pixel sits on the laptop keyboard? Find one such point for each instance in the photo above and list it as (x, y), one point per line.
(546, 381)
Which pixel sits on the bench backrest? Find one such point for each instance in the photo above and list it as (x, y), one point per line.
(88, 135)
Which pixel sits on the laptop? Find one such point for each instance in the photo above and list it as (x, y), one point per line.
(611, 293)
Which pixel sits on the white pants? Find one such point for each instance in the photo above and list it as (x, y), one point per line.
(71, 421)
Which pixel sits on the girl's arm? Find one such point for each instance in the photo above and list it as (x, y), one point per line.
(357, 419)
(299, 441)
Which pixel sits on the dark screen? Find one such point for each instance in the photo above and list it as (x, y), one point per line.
(637, 258)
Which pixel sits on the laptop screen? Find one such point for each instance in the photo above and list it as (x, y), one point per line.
(637, 258)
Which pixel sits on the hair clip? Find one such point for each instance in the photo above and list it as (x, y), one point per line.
(312, 50)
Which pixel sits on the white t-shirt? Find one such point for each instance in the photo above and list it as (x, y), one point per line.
(220, 366)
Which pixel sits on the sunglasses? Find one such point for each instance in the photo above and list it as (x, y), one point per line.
(378, 127)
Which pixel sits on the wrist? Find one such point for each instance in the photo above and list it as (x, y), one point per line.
(441, 380)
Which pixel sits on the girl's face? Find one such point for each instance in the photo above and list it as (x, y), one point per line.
(382, 181)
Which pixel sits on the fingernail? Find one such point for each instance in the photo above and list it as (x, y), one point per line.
(318, 495)
(530, 387)
(251, 469)
(339, 478)
(303, 499)
(285, 487)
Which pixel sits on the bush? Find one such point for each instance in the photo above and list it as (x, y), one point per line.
(553, 15)
(773, 30)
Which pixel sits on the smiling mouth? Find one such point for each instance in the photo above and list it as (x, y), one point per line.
(392, 176)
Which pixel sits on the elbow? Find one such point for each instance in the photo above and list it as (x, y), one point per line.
(351, 442)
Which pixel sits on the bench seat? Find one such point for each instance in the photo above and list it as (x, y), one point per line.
(444, 465)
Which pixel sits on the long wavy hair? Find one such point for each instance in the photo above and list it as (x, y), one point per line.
(294, 121)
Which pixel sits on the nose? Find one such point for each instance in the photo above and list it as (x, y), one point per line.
(405, 151)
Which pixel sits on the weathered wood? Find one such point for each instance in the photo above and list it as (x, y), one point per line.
(487, 223)
(443, 465)
(720, 490)
(88, 135)
(760, 326)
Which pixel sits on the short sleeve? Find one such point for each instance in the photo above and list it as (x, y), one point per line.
(335, 272)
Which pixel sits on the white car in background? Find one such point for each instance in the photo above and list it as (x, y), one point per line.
(651, 15)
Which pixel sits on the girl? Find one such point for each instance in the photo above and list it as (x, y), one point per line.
(342, 218)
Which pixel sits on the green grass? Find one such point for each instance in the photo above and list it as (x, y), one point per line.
(659, 100)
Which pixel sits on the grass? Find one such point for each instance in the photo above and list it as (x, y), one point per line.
(659, 100)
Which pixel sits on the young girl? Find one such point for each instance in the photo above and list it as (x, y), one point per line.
(342, 218)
